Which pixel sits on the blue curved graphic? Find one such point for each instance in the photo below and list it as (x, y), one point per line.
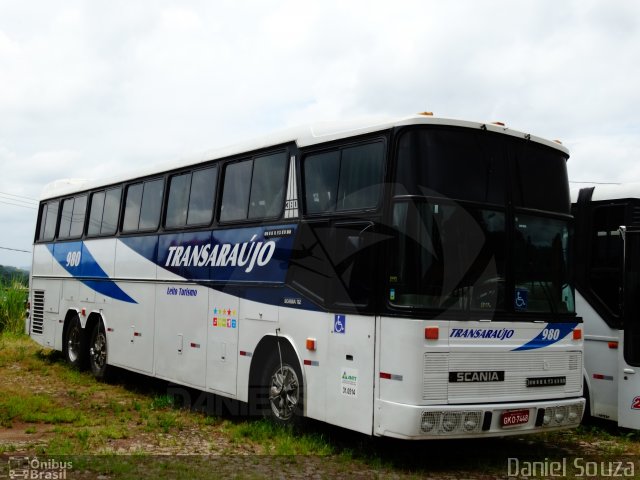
(76, 259)
(548, 336)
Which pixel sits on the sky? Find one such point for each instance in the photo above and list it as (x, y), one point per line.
(90, 89)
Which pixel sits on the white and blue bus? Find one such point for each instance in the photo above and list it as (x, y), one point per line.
(607, 254)
(406, 278)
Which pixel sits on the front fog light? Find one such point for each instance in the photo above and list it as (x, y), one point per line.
(430, 420)
(450, 421)
(471, 421)
(574, 413)
(549, 413)
(561, 414)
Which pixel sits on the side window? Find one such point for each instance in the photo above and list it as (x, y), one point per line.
(111, 211)
(50, 218)
(605, 270)
(103, 213)
(178, 202)
(191, 197)
(346, 179)
(360, 176)
(203, 194)
(72, 217)
(321, 181)
(77, 217)
(65, 218)
(235, 193)
(43, 220)
(95, 213)
(254, 188)
(143, 205)
(267, 186)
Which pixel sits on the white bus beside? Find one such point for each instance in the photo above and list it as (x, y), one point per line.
(607, 222)
(406, 278)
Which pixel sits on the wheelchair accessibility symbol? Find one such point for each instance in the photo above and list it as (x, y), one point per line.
(521, 302)
(339, 324)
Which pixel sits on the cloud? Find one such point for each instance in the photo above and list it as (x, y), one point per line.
(89, 89)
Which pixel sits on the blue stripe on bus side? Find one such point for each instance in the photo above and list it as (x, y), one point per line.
(77, 260)
(242, 255)
(548, 337)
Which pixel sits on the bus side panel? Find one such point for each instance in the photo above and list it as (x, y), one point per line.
(130, 328)
(181, 333)
(302, 324)
(42, 261)
(600, 361)
(222, 326)
(349, 374)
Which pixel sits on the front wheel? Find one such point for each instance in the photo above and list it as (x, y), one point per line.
(74, 345)
(98, 352)
(282, 387)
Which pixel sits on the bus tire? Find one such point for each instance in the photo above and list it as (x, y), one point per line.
(282, 389)
(74, 346)
(98, 351)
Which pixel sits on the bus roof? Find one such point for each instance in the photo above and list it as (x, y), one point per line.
(606, 191)
(304, 136)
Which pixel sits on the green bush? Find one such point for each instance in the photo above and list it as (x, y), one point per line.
(13, 294)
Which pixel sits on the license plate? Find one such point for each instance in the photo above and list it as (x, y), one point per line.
(512, 418)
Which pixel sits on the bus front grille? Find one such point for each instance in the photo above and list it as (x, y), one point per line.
(37, 319)
(501, 375)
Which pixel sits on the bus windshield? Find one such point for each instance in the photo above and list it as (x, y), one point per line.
(474, 231)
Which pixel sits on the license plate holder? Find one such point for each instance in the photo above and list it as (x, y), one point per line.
(514, 418)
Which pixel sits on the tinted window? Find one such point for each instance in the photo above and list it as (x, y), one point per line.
(267, 186)
(321, 181)
(191, 198)
(605, 272)
(95, 214)
(360, 176)
(50, 221)
(454, 163)
(72, 217)
(111, 211)
(203, 192)
(446, 257)
(178, 202)
(43, 220)
(77, 217)
(542, 166)
(348, 179)
(132, 208)
(65, 218)
(151, 205)
(235, 195)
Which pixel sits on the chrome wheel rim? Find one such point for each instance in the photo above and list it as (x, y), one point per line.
(284, 392)
(99, 350)
(73, 344)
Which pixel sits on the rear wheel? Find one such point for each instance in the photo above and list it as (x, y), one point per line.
(98, 351)
(74, 345)
(282, 389)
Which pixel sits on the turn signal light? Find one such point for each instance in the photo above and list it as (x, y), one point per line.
(431, 333)
(311, 344)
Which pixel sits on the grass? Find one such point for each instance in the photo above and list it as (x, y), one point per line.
(134, 427)
(12, 305)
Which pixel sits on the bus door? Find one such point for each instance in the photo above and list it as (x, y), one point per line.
(629, 351)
